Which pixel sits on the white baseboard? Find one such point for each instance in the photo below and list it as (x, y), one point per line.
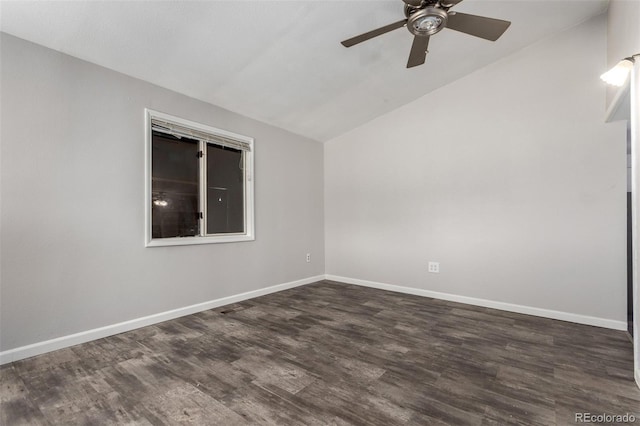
(39, 348)
(529, 310)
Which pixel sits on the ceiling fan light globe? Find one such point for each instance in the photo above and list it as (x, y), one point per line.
(427, 21)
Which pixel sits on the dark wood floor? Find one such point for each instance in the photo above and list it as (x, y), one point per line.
(331, 354)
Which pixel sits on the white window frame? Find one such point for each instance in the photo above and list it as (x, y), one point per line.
(248, 235)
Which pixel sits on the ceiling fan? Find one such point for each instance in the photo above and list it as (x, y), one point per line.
(425, 18)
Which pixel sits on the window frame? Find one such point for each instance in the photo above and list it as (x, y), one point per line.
(202, 238)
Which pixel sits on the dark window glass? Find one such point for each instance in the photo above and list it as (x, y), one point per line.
(225, 190)
(174, 186)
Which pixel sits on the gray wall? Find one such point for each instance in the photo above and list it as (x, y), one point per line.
(72, 185)
(508, 177)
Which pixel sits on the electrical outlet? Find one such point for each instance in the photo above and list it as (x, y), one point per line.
(434, 267)
(308, 257)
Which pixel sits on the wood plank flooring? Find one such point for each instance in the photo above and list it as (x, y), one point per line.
(331, 354)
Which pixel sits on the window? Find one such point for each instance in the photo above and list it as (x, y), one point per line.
(199, 185)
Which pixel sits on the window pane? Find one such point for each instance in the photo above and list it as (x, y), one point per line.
(225, 190)
(174, 186)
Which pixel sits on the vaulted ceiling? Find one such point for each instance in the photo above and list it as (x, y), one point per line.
(281, 62)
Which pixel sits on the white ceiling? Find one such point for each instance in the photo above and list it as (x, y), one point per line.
(281, 62)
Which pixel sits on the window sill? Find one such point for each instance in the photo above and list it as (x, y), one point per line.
(188, 241)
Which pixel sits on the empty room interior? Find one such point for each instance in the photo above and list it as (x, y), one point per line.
(390, 212)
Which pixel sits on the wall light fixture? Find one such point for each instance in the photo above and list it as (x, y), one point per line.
(617, 75)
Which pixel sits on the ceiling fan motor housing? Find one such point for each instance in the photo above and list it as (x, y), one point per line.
(427, 21)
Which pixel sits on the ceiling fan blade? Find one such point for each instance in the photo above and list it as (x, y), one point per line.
(374, 33)
(418, 52)
(479, 26)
